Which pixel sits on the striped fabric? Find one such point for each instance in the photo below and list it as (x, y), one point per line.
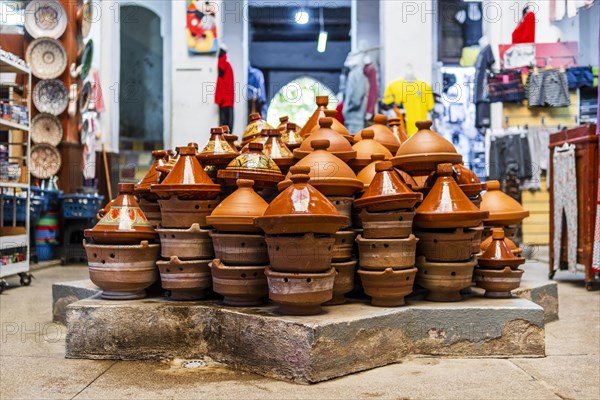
(548, 88)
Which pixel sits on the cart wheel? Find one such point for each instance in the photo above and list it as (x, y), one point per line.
(589, 286)
(551, 274)
(25, 279)
(3, 285)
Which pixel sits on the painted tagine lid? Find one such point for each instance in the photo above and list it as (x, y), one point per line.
(142, 188)
(252, 164)
(338, 145)
(236, 213)
(503, 209)
(383, 134)
(301, 209)
(398, 129)
(366, 147)
(446, 206)
(254, 128)
(387, 191)
(277, 150)
(124, 222)
(328, 174)
(291, 136)
(322, 102)
(467, 181)
(217, 151)
(498, 255)
(367, 174)
(424, 150)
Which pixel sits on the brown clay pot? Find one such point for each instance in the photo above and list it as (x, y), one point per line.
(217, 151)
(275, 148)
(367, 174)
(123, 272)
(383, 134)
(252, 164)
(444, 280)
(388, 288)
(300, 294)
(343, 282)
(467, 181)
(322, 102)
(254, 128)
(151, 210)
(424, 150)
(336, 125)
(181, 214)
(291, 136)
(343, 245)
(187, 244)
(240, 286)
(338, 145)
(498, 284)
(343, 205)
(300, 254)
(387, 225)
(186, 280)
(511, 245)
(240, 249)
(365, 148)
(478, 235)
(498, 255)
(503, 209)
(448, 245)
(379, 254)
(397, 128)
(142, 189)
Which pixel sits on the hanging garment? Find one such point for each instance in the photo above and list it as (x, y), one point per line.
(468, 56)
(510, 154)
(579, 77)
(548, 88)
(525, 31)
(370, 72)
(225, 90)
(519, 55)
(483, 64)
(470, 23)
(226, 117)
(257, 90)
(539, 140)
(355, 98)
(449, 80)
(416, 98)
(506, 86)
(340, 112)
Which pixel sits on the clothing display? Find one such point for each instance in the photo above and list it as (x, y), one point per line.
(355, 97)
(370, 72)
(225, 90)
(579, 77)
(510, 153)
(560, 9)
(257, 90)
(519, 55)
(548, 88)
(483, 64)
(470, 23)
(416, 98)
(539, 140)
(468, 56)
(564, 179)
(525, 31)
(506, 86)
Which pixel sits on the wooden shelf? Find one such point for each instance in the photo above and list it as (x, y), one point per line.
(9, 66)
(13, 125)
(18, 185)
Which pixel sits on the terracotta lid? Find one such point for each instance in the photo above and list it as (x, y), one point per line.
(408, 179)
(503, 209)
(217, 151)
(336, 125)
(366, 147)
(142, 189)
(237, 212)
(387, 191)
(424, 150)
(277, 150)
(283, 121)
(367, 174)
(498, 255)
(511, 245)
(397, 129)
(466, 179)
(446, 206)
(330, 175)
(252, 164)
(383, 134)
(187, 179)
(291, 136)
(124, 222)
(322, 102)
(254, 128)
(338, 146)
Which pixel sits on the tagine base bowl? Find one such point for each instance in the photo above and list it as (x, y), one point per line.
(423, 164)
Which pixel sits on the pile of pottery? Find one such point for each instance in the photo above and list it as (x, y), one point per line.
(218, 152)
(149, 201)
(122, 255)
(505, 212)
(238, 271)
(387, 247)
(186, 196)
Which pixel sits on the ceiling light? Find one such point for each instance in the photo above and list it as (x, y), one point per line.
(322, 43)
(301, 17)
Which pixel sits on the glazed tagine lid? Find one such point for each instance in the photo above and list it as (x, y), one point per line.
(187, 179)
(336, 125)
(467, 181)
(236, 213)
(254, 128)
(142, 189)
(387, 191)
(446, 206)
(398, 129)
(511, 245)
(424, 150)
(124, 222)
(252, 164)
(498, 255)
(503, 209)
(301, 209)
(322, 102)
(328, 174)
(291, 136)
(277, 150)
(383, 134)
(366, 147)
(217, 151)
(367, 174)
(338, 145)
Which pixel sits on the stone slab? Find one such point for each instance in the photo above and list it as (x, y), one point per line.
(65, 293)
(343, 340)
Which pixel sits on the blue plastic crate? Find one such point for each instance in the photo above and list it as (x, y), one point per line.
(80, 206)
(35, 208)
(51, 198)
(44, 251)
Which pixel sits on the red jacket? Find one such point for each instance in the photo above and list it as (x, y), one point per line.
(225, 93)
(525, 31)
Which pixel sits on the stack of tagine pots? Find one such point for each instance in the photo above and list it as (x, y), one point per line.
(187, 195)
(122, 255)
(498, 272)
(383, 134)
(505, 212)
(365, 148)
(254, 128)
(217, 153)
(444, 223)
(238, 271)
(387, 247)
(300, 223)
(148, 200)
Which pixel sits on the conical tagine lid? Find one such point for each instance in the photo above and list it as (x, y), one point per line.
(511, 245)
(277, 150)
(498, 255)
(291, 136)
(322, 102)
(338, 145)
(124, 222)
(367, 174)
(142, 189)
(397, 127)
(217, 151)
(446, 206)
(366, 147)
(252, 164)
(237, 212)
(383, 134)
(503, 209)
(254, 128)
(467, 181)
(336, 125)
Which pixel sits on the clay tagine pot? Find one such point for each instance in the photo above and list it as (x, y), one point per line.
(383, 134)
(187, 244)
(338, 145)
(240, 249)
(343, 246)
(343, 282)
(124, 222)
(498, 255)
(336, 125)
(448, 245)
(240, 286)
(379, 254)
(503, 209)
(175, 213)
(498, 284)
(300, 294)
(322, 102)
(365, 148)
(424, 150)
(291, 136)
(237, 212)
(277, 150)
(387, 191)
(305, 254)
(186, 280)
(252, 164)
(301, 209)
(398, 129)
(254, 128)
(217, 151)
(388, 288)
(187, 180)
(444, 280)
(467, 181)
(446, 206)
(330, 175)
(367, 174)
(142, 189)
(516, 250)
(387, 225)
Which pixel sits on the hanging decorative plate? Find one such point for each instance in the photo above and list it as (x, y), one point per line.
(50, 96)
(46, 128)
(85, 58)
(84, 17)
(45, 161)
(47, 58)
(46, 18)
(85, 97)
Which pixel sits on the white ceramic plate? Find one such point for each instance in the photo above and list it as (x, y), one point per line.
(45, 18)
(50, 96)
(46, 128)
(45, 161)
(47, 58)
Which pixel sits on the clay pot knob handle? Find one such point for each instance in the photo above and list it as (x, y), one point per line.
(423, 125)
(493, 185)
(193, 144)
(272, 132)
(498, 233)
(367, 134)
(255, 146)
(216, 131)
(384, 166)
(159, 154)
(254, 116)
(244, 183)
(394, 121)
(187, 151)
(331, 113)
(300, 178)
(380, 119)
(320, 144)
(290, 126)
(377, 156)
(325, 122)
(230, 138)
(444, 169)
(284, 119)
(225, 128)
(299, 170)
(126, 187)
(322, 101)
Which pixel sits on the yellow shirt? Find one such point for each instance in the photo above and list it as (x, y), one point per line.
(416, 97)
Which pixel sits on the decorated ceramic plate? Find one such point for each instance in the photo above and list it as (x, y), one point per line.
(45, 161)
(85, 97)
(46, 128)
(50, 96)
(85, 15)
(85, 58)
(45, 18)
(47, 58)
